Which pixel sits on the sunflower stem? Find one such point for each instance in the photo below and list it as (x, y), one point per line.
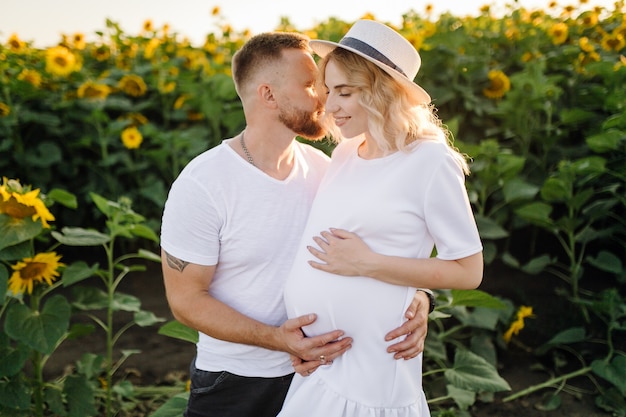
(109, 328)
(37, 363)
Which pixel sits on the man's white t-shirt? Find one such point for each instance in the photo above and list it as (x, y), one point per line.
(223, 211)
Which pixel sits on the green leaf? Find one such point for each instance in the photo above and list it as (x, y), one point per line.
(124, 389)
(614, 372)
(174, 407)
(509, 165)
(14, 231)
(589, 165)
(80, 396)
(17, 252)
(489, 229)
(89, 298)
(613, 401)
(80, 330)
(549, 402)
(45, 154)
(54, 400)
(146, 318)
(481, 318)
(576, 116)
(77, 272)
(177, 330)
(15, 394)
(566, 337)
(12, 359)
(471, 372)
(102, 203)
(475, 298)
(63, 197)
(538, 264)
(606, 141)
(463, 398)
(519, 190)
(556, 190)
(125, 302)
(537, 213)
(39, 330)
(90, 365)
(151, 256)
(141, 230)
(76, 236)
(605, 261)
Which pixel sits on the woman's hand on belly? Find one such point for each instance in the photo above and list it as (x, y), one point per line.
(340, 252)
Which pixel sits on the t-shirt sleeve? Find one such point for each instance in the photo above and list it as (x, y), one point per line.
(190, 227)
(448, 213)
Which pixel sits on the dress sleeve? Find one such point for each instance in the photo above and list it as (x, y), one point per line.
(448, 213)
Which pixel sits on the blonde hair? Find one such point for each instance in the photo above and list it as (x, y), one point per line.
(396, 118)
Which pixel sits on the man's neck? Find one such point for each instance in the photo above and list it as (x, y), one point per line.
(272, 155)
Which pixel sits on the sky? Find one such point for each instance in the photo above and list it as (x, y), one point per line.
(43, 21)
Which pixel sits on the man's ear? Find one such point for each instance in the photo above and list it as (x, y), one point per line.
(266, 95)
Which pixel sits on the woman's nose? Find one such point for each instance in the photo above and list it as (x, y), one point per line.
(330, 105)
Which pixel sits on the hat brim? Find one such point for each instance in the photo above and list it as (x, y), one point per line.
(323, 48)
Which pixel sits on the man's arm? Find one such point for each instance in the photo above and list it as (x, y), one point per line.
(186, 288)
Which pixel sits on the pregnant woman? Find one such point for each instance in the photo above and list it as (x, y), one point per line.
(394, 193)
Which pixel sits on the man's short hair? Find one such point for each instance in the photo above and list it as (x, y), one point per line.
(263, 49)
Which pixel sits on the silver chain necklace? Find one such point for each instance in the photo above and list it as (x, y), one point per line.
(245, 151)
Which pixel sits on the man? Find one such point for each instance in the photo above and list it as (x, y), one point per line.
(230, 228)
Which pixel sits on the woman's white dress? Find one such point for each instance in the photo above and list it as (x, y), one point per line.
(402, 205)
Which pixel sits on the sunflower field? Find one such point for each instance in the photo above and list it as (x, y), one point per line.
(92, 134)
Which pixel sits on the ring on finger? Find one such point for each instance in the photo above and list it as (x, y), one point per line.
(322, 359)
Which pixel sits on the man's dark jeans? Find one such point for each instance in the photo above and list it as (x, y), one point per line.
(222, 394)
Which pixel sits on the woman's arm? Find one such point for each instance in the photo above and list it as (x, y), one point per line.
(344, 253)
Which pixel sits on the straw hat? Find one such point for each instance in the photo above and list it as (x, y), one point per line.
(384, 47)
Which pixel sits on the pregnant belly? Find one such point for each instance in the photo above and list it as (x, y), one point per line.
(366, 310)
(362, 307)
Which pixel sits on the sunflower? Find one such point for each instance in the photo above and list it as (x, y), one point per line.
(166, 86)
(133, 85)
(30, 271)
(178, 104)
(585, 44)
(589, 19)
(60, 61)
(30, 76)
(79, 41)
(101, 53)
(518, 324)
(499, 84)
(15, 43)
(20, 202)
(613, 42)
(132, 138)
(136, 119)
(151, 48)
(148, 26)
(93, 91)
(5, 110)
(584, 59)
(558, 32)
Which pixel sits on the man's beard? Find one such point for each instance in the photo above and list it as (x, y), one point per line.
(302, 122)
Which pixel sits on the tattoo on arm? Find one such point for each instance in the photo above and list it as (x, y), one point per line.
(175, 263)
